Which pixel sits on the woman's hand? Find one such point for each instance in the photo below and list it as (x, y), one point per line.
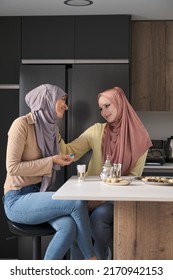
(62, 160)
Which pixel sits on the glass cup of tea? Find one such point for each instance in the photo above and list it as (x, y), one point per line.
(116, 170)
(81, 172)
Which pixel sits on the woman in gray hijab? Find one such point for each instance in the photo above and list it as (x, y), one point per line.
(32, 161)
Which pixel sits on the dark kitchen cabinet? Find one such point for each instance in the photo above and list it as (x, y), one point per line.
(102, 37)
(85, 82)
(10, 49)
(48, 37)
(76, 37)
(9, 110)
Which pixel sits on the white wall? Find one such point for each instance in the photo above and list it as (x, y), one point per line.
(159, 124)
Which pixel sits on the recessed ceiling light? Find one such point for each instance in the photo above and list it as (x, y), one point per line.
(78, 3)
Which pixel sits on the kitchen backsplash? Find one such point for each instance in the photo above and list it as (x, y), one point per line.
(159, 124)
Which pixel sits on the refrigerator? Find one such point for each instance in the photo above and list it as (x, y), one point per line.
(82, 82)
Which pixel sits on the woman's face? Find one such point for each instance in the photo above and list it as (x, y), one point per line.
(107, 109)
(61, 107)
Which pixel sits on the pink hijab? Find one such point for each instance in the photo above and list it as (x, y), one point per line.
(41, 100)
(125, 139)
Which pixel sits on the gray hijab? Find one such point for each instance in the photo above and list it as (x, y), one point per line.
(41, 100)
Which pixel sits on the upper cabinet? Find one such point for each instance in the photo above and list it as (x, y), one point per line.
(76, 37)
(48, 37)
(10, 49)
(102, 37)
(152, 66)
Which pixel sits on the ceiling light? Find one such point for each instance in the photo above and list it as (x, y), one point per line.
(78, 3)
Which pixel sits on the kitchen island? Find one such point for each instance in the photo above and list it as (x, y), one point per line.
(143, 215)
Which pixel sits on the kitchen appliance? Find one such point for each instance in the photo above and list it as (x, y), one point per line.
(156, 154)
(155, 160)
(169, 149)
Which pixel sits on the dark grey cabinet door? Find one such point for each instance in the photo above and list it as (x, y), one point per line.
(32, 76)
(45, 37)
(9, 110)
(76, 37)
(10, 49)
(86, 82)
(102, 37)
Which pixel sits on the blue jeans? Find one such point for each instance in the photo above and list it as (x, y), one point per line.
(101, 220)
(69, 218)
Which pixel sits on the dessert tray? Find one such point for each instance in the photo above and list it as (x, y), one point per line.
(156, 180)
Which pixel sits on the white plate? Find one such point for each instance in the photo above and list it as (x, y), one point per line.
(121, 183)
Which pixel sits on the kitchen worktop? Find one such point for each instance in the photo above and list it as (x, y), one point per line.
(95, 189)
(165, 169)
(164, 166)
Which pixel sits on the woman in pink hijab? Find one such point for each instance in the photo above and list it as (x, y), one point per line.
(125, 140)
(32, 160)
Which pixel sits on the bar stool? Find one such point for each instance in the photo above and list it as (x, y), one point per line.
(34, 231)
